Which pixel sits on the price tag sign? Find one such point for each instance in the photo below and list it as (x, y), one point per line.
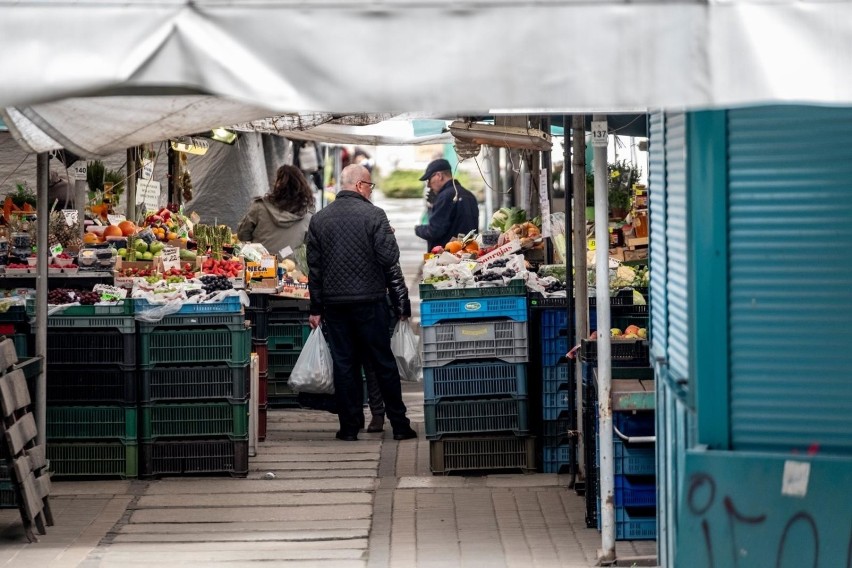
(170, 257)
(80, 171)
(115, 219)
(544, 204)
(70, 216)
(599, 134)
(592, 244)
(147, 169)
(148, 193)
(56, 249)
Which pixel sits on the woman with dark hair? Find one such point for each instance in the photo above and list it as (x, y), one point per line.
(280, 218)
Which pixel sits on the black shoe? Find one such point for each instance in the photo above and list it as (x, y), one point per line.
(377, 424)
(346, 437)
(405, 435)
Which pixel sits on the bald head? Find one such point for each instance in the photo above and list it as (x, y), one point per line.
(352, 174)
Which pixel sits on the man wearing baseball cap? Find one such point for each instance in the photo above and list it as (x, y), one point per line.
(454, 211)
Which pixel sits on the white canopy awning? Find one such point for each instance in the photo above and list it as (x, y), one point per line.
(261, 59)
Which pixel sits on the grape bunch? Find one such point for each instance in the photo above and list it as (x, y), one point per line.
(495, 275)
(88, 298)
(60, 296)
(191, 293)
(499, 263)
(555, 287)
(215, 283)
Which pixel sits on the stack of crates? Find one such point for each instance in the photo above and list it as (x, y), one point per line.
(257, 314)
(287, 332)
(557, 392)
(193, 410)
(475, 354)
(92, 391)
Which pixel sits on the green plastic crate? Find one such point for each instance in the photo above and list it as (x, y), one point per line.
(206, 346)
(287, 336)
(92, 423)
(120, 308)
(278, 387)
(124, 324)
(93, 459)
(200, 420)
(232, 322)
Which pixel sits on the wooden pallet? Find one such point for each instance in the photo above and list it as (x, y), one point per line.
(27, 461)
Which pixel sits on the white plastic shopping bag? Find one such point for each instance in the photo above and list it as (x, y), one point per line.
(313, 371)
(406, 350)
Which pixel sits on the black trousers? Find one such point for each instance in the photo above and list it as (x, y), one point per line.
(359, 331)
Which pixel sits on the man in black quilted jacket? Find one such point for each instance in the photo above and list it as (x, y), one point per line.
(351, 255)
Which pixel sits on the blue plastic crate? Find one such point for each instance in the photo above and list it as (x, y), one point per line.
(229, 304)
(639, 423)
(554, 338)
(554, 378)
(482, 380)
(554, 404)
(556, 459)
(556, 432)
(636, 525)
(633, 459)
(635, 491)
(476, 416)
(506, 307)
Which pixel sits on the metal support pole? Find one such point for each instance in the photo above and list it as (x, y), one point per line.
(42, 217)
(604, 345)
(569, 287)
(491, 153)
(581, 282)
(130, 186)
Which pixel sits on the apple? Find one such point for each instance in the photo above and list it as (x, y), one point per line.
(141, 246)
(615, 332)
(642, 333)
(156, 247)
(147, 255)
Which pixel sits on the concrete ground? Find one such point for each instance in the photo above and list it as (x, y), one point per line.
(371, 503)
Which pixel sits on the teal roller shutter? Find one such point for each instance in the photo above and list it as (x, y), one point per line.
(676, 246)
(657, 245)
(790, 275)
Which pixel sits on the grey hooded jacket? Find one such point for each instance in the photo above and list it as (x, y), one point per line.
(272, 227)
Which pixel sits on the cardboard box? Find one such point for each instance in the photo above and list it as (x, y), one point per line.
(295, 290)
(128, 281)
(266, 268)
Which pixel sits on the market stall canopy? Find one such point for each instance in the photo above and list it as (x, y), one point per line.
(261, 59)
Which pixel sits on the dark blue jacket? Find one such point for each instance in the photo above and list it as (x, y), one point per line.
(450, 216)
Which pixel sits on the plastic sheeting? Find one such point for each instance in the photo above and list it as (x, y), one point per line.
(227, 178)
(460, 56)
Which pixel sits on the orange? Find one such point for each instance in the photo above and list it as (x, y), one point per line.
(472, 246)
(171, 236)
(127, 228)
(90, 238)
(453, 246)
(113, 231)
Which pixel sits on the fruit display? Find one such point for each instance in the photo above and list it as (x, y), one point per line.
(228, 268)
(167, 225)
(60, 296)
(213, 238)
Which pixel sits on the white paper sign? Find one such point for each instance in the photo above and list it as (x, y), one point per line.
(544, 203)
(599, 133)
(70, 216)
(285, 252)
(148, 193)
(796, 477)
(115, 219)
(170, 257)
(267, 262)
(80, 171)
(147, 169)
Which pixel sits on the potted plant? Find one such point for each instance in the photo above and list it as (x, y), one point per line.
(622, 176)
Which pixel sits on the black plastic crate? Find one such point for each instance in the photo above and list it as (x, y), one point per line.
(75, 384)
(79, 423)
(625, 352)
(194, 457)
(88, 347)
(208, 382)
(453, 417)
(259, 321)
(556, 432)
(482, 453)
(281, 363)
(289, 310)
